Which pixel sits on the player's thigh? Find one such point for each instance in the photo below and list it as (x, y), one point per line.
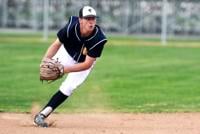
(63, 57)
(73, 80)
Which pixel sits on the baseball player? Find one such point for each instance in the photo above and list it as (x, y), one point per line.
(79, 43)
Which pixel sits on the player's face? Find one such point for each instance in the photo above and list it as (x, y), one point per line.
(87, 25)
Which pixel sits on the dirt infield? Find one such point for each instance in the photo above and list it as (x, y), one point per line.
(103, 123)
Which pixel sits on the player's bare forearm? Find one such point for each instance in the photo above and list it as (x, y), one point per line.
(80, 66)
(53, 48)
(76, 68)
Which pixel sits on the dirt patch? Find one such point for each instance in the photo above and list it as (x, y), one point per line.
(103, 123)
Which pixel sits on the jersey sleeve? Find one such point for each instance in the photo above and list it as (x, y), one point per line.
(96, 50)
(63, 33)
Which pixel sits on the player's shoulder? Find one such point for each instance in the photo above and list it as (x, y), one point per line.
(98, 38)
(72, 20)
(101, 36)
(100, 33)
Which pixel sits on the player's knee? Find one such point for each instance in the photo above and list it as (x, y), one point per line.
(67, 90)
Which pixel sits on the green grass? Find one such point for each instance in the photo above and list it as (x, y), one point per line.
(133, 75)
(153, 79)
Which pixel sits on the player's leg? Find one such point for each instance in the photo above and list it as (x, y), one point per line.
(72, 81)
(58, 97)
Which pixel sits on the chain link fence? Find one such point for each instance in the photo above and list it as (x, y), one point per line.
(115, 16)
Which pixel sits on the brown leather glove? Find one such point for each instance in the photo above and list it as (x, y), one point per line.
(51, 70)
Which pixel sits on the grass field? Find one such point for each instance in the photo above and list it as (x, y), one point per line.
(133, 75)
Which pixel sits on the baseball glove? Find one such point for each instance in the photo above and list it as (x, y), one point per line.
(51, 70)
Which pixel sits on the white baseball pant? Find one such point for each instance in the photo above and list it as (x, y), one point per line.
(73, 79)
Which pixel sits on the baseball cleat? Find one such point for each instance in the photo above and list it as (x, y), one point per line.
(39, 120)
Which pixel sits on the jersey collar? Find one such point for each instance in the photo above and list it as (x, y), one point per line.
(78, 34)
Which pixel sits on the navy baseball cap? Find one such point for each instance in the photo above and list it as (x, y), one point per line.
(87, 11)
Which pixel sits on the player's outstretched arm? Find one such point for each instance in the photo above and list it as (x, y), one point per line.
(53, 48)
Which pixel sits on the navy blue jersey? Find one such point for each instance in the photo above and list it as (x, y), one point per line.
(75, 45)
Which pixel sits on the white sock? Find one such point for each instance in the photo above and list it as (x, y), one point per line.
(46, 111)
